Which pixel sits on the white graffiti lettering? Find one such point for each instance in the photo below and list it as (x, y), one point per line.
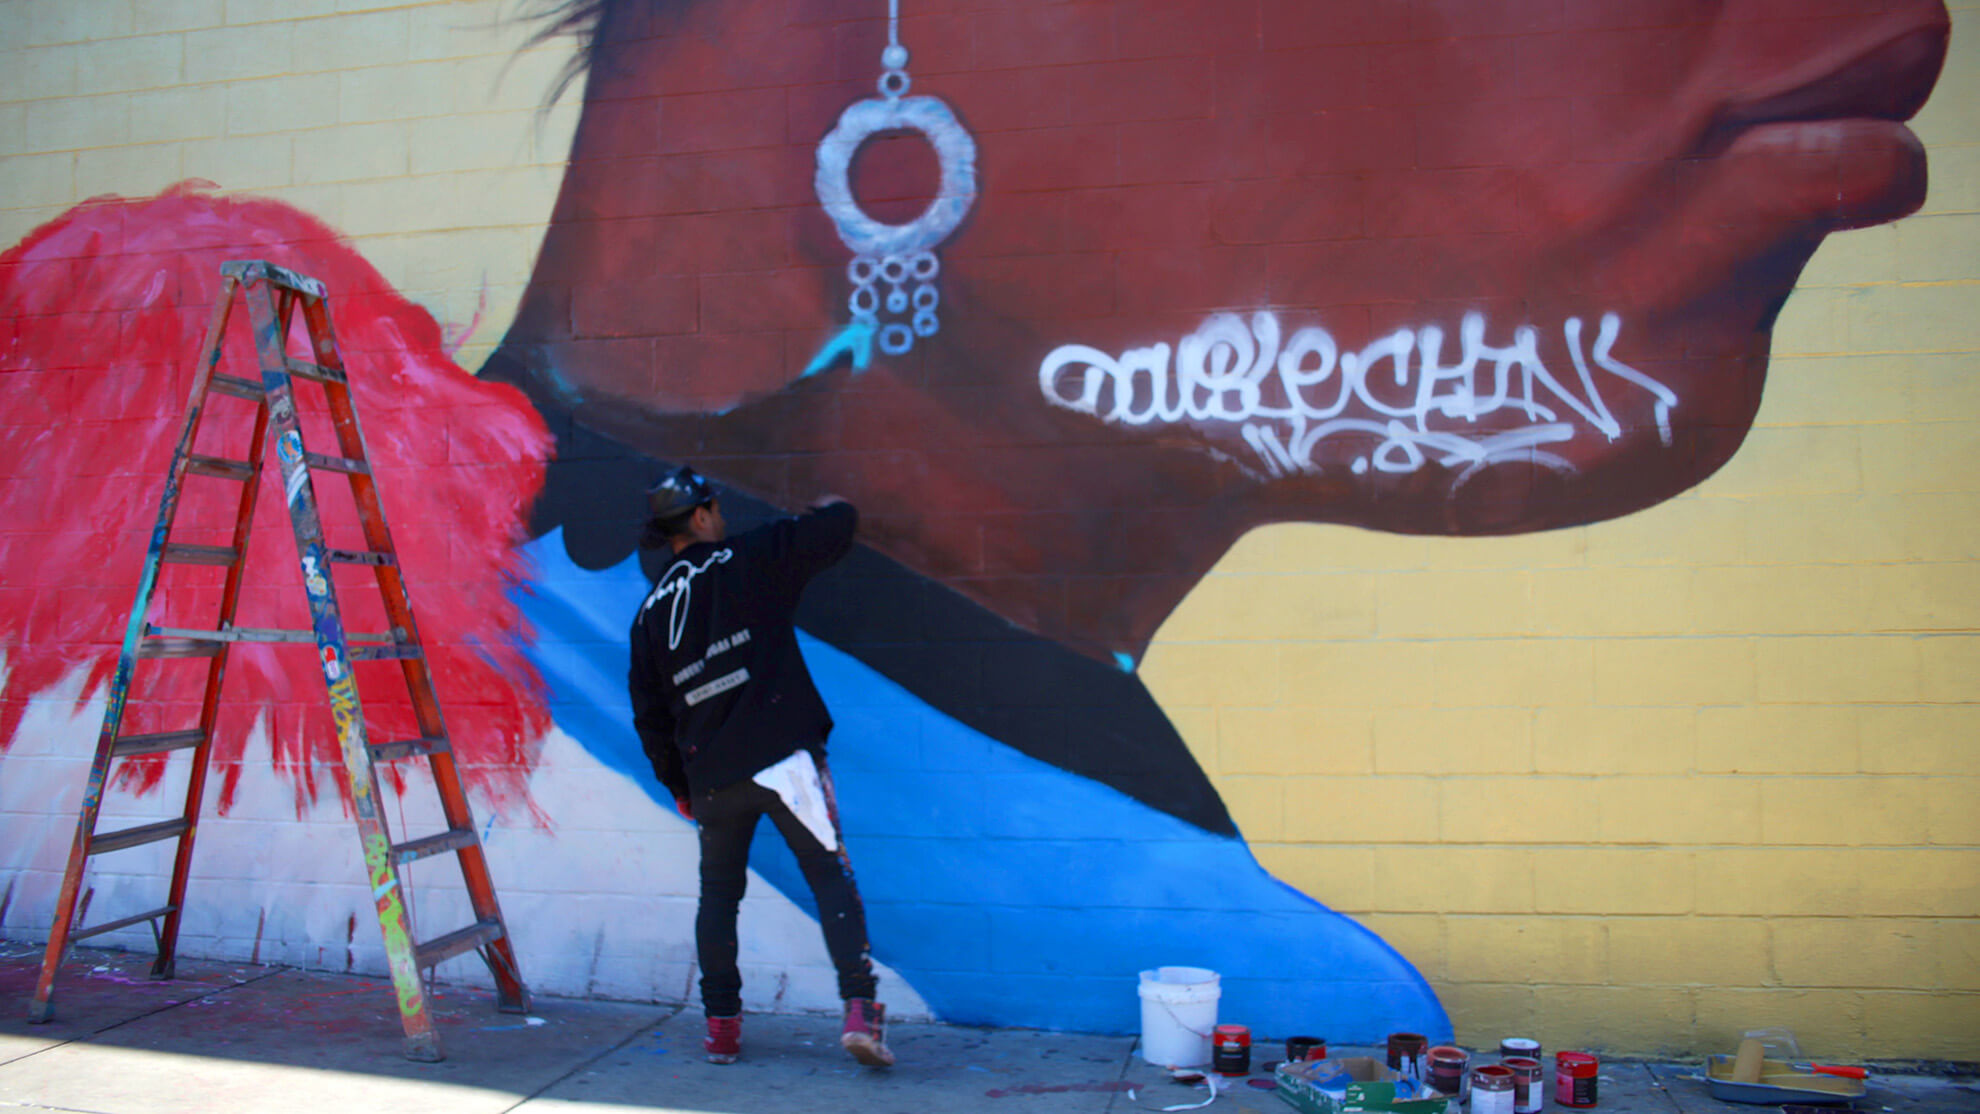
(1289, 396)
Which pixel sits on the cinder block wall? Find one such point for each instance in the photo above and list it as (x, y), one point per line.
(420, 130)
(1639, 785)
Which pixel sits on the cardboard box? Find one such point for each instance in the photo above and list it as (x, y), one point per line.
(1369, 1087)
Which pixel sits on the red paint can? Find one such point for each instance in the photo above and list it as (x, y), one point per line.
(1406, 1054)
(1447, 1064)
(1230, 1050)
(1574, 1078)
(1306, 1048)
(1529, 1093)
(1492, 1089)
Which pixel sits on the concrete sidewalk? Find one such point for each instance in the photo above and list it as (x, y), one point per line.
(231, 1037)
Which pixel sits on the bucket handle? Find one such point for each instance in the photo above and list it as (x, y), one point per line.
(1179, 1021)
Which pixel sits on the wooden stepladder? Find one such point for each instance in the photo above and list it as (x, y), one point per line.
(274, 295)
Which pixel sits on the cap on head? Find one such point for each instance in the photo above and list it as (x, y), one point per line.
(678, 493)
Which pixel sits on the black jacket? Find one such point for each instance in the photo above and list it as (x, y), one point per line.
(719, 689)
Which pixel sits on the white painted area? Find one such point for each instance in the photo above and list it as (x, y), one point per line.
(1287, 397)
(601, 904)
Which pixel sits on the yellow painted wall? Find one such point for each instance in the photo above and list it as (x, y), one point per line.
(1639, 785)
(417, 129)
(1649, 783)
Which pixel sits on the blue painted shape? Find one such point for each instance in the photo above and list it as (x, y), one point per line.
(1006, 890)
(855, 340)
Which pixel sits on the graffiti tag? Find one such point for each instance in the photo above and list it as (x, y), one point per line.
(1289, 395)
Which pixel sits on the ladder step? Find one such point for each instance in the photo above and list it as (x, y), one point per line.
(179, 648)
(386, 653)
(306, 370)
(133, 837)
(363, 557)
(446, 947)
(405, 748)
(129, 745)
(222, 469)
(254, 270)
(238, 387)
(112, 926)
(440, 843)
(187, 554)
(337, 464)
(253, 634)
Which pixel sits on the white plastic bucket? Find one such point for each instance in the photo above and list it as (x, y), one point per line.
(1178, 1013)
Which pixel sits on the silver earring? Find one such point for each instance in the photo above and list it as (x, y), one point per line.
(900, 257)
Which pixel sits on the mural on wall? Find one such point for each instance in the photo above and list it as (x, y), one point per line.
(105, 310)
(1067, 297)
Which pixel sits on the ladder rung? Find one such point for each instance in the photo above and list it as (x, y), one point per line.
(252, 270)
(440, 843)
(446, 947)
(337, 464)
(405, 748)
(222, 469)
(132, 837)
(130, 745)
(386, 653)
(254, 634)
(187, 554)
(238, 387)
(362, 557)
(112, 926)
(178, 648)
(318, 372)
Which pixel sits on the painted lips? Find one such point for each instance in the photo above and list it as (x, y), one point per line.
(1829, 148)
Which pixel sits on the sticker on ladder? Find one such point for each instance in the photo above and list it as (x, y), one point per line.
(289, 448)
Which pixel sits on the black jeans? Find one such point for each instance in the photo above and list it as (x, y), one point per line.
(727, 818)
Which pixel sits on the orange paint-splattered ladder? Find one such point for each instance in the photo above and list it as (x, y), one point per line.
(273, 296)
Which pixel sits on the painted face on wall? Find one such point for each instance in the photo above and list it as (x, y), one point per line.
(1436, 266)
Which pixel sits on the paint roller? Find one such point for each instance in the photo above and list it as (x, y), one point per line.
(1747, 1065)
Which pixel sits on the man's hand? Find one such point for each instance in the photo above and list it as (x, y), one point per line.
(826, 500)
(685, 807)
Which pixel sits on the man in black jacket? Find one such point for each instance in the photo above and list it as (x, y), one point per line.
(736, 731)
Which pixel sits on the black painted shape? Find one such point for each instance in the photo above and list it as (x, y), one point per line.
(1025, 691)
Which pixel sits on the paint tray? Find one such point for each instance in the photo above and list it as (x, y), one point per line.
(1779, 1083)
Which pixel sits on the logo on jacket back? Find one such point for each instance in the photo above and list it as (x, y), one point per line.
(678, 583)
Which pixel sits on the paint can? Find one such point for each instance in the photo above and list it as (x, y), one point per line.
(1575, 1078)
(1446, 1066)
(1529, 1088)
(1230, 1050)
(1406, 1054)
(1306, 1048)
(1492, 1089)
(1519, 1046)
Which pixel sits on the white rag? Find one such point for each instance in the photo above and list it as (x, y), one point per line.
(795, 781)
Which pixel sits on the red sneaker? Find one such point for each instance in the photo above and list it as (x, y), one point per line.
(865, 1034)
(724, 1040)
